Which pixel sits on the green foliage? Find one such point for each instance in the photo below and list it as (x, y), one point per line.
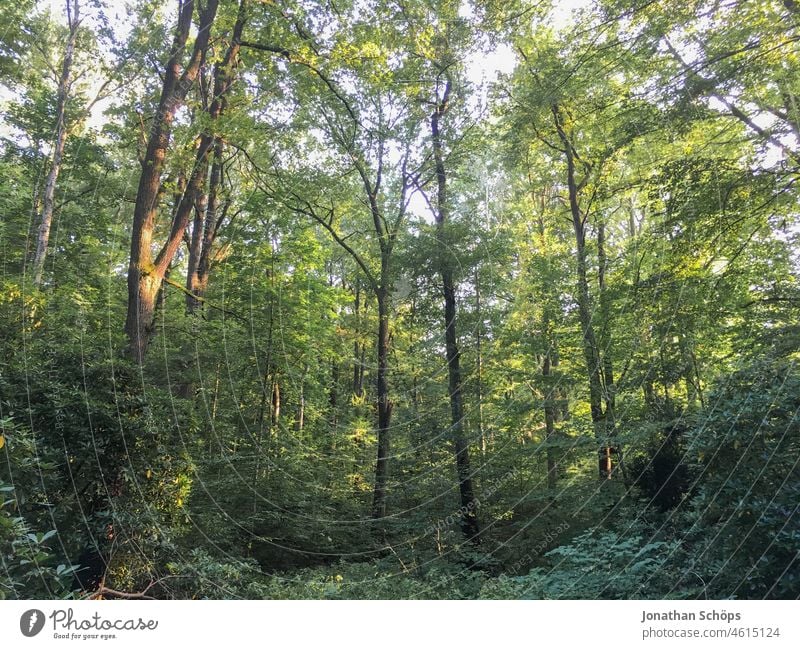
(29, 559)
(202, 577)
(747, 498)
(597, 565)
(238, 460)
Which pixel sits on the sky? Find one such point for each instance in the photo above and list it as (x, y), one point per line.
(482, 68)
(486, 67)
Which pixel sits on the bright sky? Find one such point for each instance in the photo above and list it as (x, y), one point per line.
(485, 67)
(482, 68)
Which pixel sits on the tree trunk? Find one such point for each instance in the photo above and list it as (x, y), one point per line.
(64, 83)
(609, 389)
(333, 396)
(209, 214)
(550, 417)
(301, 405)
(195, 246)
(358, 352)
(266, 382)
(552, 412)
(276, 403)
(469, 506)
(591, 350)
(145, 275)
(479, 360)
(384, 407)
(275, 410)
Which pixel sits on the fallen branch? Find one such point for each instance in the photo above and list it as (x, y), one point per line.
(119, 594)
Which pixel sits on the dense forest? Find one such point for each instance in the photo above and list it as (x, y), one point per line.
(397, 299)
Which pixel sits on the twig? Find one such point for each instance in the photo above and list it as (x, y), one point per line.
(204, 300)
(104, 590)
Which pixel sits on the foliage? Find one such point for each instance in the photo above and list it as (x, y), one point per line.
(620, 250)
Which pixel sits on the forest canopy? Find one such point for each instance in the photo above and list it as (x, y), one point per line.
(388, 299)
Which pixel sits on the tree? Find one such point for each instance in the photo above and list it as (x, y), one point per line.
(210, 209)
(73, 9)
(560, 129)
(388, 262)
(146, 274)
(362, 129)
(448, 42)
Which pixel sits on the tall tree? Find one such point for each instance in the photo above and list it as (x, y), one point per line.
(369, 126)
(145, 273)
(211, 206)
(73, 11)
(591, 347)
(445, 260)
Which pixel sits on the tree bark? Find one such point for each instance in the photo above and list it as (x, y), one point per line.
(145, 275)
(469, 506)
(384, 407)
(300, 420)
(266, 381)
(609, 389)
(333, 397)
(59, 142)
(209, 214)
(552, 412)
(591, 350)
(275, 410)
(358, 352)
(479, 360)
(550, 418)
